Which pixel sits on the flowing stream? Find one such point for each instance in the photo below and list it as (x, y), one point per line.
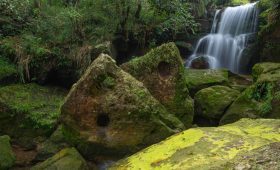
(231, 30)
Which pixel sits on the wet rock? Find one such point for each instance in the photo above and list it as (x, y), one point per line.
(206, 148)
(262, 99)
(66, 159)
(211, 103)
(200, 79)
(108, 112)
(29, 110)
(7, 157)
(162, 72)
(200, 63)
(8, 72)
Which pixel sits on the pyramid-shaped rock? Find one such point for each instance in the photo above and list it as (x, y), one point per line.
(162, 72)
(108, 112)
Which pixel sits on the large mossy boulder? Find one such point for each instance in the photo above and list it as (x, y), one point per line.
(264, 68)
(199, 79)
(211, 104)
(162, 72)
(261, 100)
(29, 110)
(7, 157)
(8, 72)
(205, 148)
(66, 159)
(108, 112)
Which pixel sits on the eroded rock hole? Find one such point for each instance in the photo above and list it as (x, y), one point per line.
(164, 69)
(105, 81)
(103, 120)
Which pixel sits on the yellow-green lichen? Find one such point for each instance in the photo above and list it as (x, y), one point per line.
(205, 148)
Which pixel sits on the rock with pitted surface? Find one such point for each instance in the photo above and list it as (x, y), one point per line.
(162, 72)
(108, 112)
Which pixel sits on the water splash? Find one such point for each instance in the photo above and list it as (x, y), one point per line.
(231, 30)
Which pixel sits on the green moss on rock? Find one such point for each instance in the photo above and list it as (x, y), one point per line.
(117, 119)
(162, 72)
(7, 157)
(257, 101)
(66, 159)
(263, 68)
(200, 79)
(205, 148)
(212, 102)
(29, 110)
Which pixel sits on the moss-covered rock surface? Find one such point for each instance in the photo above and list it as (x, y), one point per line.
(108, 112)
(263, 68)
(200, 79)
(205, 148)
(212, 102)
(162, 72)
(29, 110)
(66, 159)
(7, 157)
(262, 99)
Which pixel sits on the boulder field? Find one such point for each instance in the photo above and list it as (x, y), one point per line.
(174, 117)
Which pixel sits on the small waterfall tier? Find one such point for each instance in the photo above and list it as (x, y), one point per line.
(231, 30)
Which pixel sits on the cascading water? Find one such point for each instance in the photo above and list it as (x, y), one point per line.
(230, 32)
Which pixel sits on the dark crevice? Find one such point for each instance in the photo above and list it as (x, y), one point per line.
(103, 120)
(164, 69)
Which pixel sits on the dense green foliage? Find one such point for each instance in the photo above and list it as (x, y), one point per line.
(57, 34)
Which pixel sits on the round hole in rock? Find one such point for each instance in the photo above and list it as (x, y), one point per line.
(102, 120)
(164, 69)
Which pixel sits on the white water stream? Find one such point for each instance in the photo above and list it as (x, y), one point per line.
(231, 29)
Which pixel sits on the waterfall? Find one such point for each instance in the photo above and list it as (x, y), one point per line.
(231, 30)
